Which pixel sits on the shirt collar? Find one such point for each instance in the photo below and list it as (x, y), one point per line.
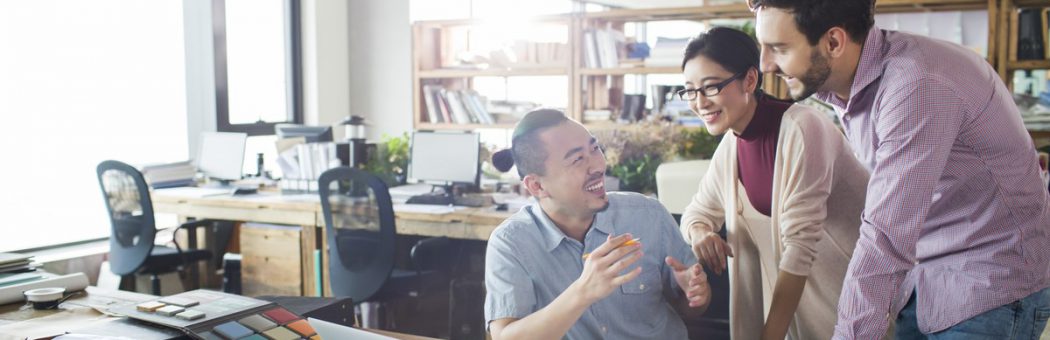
(868, 69)
(554, 236)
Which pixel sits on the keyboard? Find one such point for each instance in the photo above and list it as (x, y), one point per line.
(466, 201)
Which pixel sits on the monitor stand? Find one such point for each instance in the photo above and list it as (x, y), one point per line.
(447, 197)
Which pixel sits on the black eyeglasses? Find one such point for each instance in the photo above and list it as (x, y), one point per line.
(709, 90)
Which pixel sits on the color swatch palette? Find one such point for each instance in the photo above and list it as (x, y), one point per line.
(214, 315)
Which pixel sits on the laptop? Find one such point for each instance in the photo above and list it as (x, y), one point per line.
(328, 330)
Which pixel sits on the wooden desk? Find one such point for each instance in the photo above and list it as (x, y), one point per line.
(305, 211)
(80, 315)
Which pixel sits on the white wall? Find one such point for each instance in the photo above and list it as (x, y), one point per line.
(200, 71)
(381, 65)
(356, 59)
(326, 67)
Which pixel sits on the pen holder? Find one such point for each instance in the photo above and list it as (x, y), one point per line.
(46, 298)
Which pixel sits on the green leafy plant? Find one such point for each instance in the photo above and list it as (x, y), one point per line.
(637, 174)
(695, 143)
(633, 153)
(389, 160)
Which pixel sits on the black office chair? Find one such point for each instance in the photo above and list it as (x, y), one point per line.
(359, 222)
(131, 241)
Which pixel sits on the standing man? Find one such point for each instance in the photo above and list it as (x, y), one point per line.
(953, 240)
(566, 266)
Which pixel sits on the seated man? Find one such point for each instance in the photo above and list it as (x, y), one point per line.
(564, 267)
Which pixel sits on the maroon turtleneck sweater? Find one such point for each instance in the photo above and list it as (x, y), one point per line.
(757, 150)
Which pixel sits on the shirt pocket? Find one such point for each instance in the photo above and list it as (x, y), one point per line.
(647, 282)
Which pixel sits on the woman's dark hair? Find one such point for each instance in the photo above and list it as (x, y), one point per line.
(734, 50)
(527, 150)
(816, 17)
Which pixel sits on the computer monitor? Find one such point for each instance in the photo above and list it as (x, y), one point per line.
(221, 155)
(313, 134)
(445, 158)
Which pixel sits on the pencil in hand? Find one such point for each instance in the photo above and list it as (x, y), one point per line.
(630, 242)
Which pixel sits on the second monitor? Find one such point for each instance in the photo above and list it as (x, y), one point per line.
(444, 159)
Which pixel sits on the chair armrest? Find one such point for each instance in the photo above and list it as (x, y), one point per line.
(426, 252)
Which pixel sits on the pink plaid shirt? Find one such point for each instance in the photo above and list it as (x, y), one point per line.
(955, 209)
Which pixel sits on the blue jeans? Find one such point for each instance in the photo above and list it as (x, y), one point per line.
(1021, 319)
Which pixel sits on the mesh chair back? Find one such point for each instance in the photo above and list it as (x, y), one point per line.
(130, 214)
(359, 222)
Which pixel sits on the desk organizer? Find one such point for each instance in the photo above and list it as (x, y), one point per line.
(211, 315)
(298, 186)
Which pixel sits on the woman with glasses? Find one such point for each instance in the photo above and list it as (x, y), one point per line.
(786, 187)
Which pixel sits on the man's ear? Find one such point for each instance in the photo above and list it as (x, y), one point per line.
(750, 81)
(534, 185)
(835, 41)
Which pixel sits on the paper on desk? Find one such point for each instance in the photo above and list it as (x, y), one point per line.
(424, 208)
(513, 201)
(71, 282)
(193, 192)
(89, 337)
(328, 330)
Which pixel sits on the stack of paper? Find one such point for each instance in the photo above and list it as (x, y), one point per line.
(169, 175)
(667, 52)
(13, 263)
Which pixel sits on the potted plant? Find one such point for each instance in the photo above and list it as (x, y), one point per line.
(389, 159)
(634, 153)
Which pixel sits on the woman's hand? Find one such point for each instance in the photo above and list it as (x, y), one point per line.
(710, 249)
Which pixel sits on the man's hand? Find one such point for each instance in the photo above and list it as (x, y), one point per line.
(693, 282)
(601, 270)
(710, 249)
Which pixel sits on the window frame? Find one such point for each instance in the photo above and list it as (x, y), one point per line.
(293, 71)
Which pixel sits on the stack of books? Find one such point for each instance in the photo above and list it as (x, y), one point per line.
(456, 106)
(603, 48)
(169, 175)
(667, 52)
(16, 269)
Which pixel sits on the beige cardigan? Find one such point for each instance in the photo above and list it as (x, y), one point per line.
(818, 192)
(818, 185)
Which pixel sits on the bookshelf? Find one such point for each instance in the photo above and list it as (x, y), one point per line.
(436, 43)
(1008, 17)
(451, 56)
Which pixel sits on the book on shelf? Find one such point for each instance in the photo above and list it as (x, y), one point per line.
(456, 106)
(602, 48)
(459, 110)
(596, 116)
(1031, 34)
(433, 113)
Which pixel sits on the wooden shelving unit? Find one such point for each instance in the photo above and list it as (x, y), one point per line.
(427, 47)
(1006, 53)
(628, 70)
(435, 44)
(443, 126)
(531, 71)
(1027, 65)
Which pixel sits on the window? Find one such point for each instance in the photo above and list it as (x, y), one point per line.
(257, 65)
(82, 82)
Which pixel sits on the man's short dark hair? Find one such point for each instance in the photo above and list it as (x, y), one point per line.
(815, 17)
(527, 150)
